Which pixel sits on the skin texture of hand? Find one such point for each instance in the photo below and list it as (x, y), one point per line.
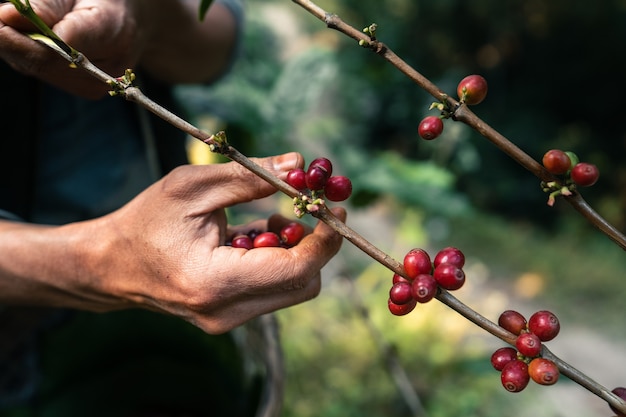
(164, 251)
(165, 38)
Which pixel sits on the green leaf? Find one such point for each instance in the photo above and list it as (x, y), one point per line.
(204, 7)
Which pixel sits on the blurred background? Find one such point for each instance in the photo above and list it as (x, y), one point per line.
(557, 79)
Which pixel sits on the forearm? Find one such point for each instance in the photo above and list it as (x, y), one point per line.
(48, 266)
(182, 49)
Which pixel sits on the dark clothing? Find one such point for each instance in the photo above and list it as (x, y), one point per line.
(66, 159)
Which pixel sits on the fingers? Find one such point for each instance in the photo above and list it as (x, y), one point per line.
(269, 270)
(49, 12)
(263, 272)
(225, 320)
(283, 278)
(223, 185)
(317, 248)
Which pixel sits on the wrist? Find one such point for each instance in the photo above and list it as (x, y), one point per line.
(52, 266)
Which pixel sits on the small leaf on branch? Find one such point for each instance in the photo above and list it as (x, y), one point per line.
(26, 10)
(204, 8)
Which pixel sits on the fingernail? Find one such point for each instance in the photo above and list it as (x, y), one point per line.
(286, 162)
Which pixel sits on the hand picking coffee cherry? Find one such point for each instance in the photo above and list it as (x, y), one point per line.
(472, 89)
(430, 127)
(289, 235)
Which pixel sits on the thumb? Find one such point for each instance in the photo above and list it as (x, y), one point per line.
(50, 13)
(224, 185)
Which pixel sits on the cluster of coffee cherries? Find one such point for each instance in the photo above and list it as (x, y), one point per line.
(471, 90)
(319, 182)
(423, 278)
(574, 173)
(289, 235)
(524, 362)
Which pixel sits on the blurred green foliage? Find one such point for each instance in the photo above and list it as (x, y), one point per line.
(555, 71)
(556, 77)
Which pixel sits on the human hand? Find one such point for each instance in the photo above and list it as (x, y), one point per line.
(106, 31)
(166, 39)
(165, 250)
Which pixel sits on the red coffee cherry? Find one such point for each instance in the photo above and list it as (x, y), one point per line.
(399, 278)
(430, 127)
(242, 241)
(620, 392)
(416, 262)
(556, 161)
(515, 376)
(543, 371)
(502, 356)
(401, 309)
(267, 240)
(544, 324)
(512, 321)
(472, 89)
(449, 276)
(450, 255)
(254, 233)
(424, 288)
(528, 344)
(316, 178)
(338, 188)
(323, 163)
(291, 234)
(400, 293)
(585, 174)
(297, 179)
